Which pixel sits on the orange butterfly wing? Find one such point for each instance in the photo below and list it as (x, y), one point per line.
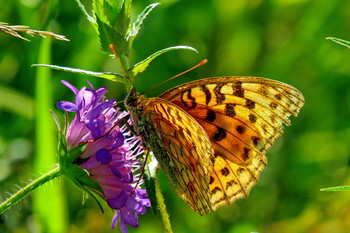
(182, 148)
(243, 117)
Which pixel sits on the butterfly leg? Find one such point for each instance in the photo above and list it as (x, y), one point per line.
(130, 127)
(142, 170)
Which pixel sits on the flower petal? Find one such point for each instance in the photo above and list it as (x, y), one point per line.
(67, 106)
(129, 217)
(103, 156)
(70, 86)
(94, 126)
(119, 201)
(115, 219)
(120, 140)
(123, 227)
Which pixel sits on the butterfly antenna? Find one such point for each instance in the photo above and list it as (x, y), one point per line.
(119, 102)
(203, 62)
(111, 47)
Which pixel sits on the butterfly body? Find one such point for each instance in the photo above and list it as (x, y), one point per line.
(210, 136)
(164, 137)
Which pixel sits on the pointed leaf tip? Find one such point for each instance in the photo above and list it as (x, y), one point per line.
(136, 26)
(106, 75)
(339, 41)
(337, 188)
(142, 65)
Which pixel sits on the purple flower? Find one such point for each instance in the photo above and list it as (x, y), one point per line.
(110, 157)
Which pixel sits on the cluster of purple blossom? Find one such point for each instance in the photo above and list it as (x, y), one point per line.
(110, 157)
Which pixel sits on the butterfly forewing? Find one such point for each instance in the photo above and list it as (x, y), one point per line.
(242, 117)
(181, 146)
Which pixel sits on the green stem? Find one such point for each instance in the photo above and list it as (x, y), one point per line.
(162, 209)
(28, 188)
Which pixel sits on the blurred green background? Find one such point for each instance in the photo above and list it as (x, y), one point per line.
(278, 39)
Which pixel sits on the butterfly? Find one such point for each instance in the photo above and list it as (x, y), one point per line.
(210, 136)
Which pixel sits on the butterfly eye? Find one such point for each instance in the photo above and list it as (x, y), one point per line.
(132, 99)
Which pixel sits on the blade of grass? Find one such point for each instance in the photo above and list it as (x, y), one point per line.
(24, 104)
(49, 203)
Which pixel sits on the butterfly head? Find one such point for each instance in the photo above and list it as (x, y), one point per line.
(133, 99)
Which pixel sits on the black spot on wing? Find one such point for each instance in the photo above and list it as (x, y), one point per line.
(192, 101)
(245, 154)
(211, 180)
(225, 171)
(211, 115)
(219, 96)
(220, 134)
(256, 140)
(250, 104)
(240, 129)
(207, 93)
(252, 118)
(230, 110)
(237, 89)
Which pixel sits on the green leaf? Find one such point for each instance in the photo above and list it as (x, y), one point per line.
(93, 197)
(339, 41)
(80, 176)
(151, 191)
(98, 10)
(62, 150)
(337, 188)
(89, 17)
(114, 13)
(55, 118)
(138, 23)
(149, 178)
(109, 35)
(113, 22)
(75, 172)
(88, 182)
(106, 75)
(142, 65)
(122, 22)
(75, 152)
(112, 9)
(107, 11)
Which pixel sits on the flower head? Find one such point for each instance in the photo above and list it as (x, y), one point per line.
(110, 157)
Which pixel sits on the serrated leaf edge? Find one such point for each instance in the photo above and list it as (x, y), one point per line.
(142, 65)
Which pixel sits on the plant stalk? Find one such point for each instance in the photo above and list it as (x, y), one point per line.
(162, 208)
(19, 195)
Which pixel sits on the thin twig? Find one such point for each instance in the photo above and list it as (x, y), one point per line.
(13, 31)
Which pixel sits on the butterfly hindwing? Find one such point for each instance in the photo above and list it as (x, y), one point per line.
(182, 148)
(243, 117)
